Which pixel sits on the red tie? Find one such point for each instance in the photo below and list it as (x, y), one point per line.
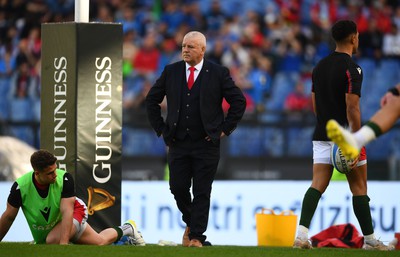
(191, 77)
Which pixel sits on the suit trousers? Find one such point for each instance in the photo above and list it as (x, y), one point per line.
(193, 161)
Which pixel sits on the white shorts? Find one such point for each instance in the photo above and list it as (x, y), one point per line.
(80, 218)
(322, 153)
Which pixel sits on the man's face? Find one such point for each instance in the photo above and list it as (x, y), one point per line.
(48, 175)
(192, 50)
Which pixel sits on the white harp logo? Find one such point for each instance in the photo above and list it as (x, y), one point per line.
(359, 70)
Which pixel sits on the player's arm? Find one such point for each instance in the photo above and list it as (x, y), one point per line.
(353, 111)
(7, 219)
(13, 204)
(67, 211)
(67, 208)
(353, 89)
(313, 103)
(353, 116)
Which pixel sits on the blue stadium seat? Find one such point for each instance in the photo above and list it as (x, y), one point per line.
(4, 105)
(273, 142)
(141, 141)
(245, 141)
(20, 109)
(137, 141)
(379, 149)
(24, 133)
(300, 141)
(282, 85)
(368, 67)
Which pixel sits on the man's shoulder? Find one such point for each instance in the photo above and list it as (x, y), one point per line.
(207, 64)
(64, 174)
(214, 66)
(60, 171)
(334, 59)
(326, 59)
(25, 177)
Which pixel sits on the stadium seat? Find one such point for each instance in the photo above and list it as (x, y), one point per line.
(246, 142)
(20, 109)
(299, 141)
(273, 142)
(368, 66)
(282, 85)
(141, 141)
(4, 104)
(24, 133)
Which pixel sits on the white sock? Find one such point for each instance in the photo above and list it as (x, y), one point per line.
(364, 136)
(370, 238)
(302, 233)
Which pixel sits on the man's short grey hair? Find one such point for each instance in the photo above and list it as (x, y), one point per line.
(199, 35)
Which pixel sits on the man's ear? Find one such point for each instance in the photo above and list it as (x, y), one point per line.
(353, 38)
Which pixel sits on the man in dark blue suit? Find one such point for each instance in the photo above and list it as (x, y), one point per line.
(194, 89)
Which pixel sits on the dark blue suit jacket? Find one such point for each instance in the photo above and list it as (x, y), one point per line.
(216, 84)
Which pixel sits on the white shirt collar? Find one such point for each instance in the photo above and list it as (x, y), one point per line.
(198, 66)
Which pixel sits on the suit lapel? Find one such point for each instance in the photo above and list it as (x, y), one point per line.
(205, 77)
(180, 79)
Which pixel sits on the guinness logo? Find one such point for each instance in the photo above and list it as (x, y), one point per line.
(99, 199)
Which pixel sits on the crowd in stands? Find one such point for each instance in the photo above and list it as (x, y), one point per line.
(270, 47)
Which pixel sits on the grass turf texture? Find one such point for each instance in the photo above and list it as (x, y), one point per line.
(8, 249)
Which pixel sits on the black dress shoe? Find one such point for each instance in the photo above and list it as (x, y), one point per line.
(207, 243)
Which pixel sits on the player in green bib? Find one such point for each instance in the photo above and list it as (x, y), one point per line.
(54, 214)
(42, 214)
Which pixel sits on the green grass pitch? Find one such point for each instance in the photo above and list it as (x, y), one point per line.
(8, 249)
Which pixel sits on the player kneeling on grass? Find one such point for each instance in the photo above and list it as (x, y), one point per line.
(53, 212)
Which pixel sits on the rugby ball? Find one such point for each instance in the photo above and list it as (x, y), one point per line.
(339, 161)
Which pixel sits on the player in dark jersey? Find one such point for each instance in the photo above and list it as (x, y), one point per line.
(54, 215)
(336, 90)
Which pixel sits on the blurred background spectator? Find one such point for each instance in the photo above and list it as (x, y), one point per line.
(298, 100)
